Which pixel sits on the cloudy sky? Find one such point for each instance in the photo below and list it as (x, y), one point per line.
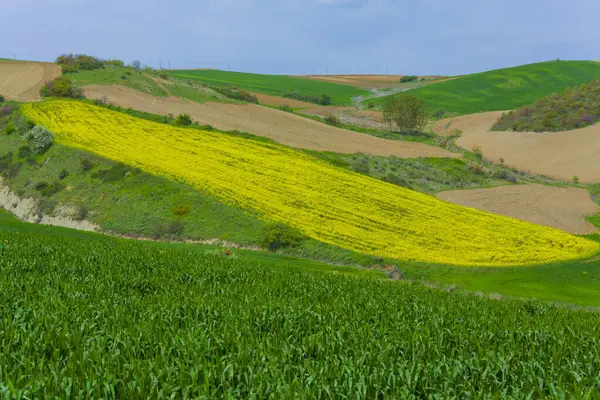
(302, 36)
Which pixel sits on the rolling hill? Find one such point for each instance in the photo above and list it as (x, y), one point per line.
(504, 89)
(272, 84)
(328, 204)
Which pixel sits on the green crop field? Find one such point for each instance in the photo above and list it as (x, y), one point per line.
(89, 316)
(272, 84)
(504, 89)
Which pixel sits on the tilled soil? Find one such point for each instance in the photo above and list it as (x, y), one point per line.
(561, 208)
(560, 155)
(283, 127)
(21, 81)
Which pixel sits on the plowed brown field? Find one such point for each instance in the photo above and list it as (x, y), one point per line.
(561, 208)
(21, 81)
(561, 155)
(280, 101)
(283, 127)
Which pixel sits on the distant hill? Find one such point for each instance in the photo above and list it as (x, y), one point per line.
(504, 89)
(276, 85)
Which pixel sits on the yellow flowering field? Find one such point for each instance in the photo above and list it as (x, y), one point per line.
(329, 204)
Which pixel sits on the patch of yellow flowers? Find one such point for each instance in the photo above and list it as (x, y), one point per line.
(329, 204)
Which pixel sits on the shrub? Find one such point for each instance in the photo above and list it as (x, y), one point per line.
(114, 63)
(332, 120)
(323, 100)
(123, 77)
(51, 189)
(439, 114)
(115, 173)
(40, 139)
(278, 236)
(409, 78)
(81, 213)
(504, 174)
(61, 87)
(241, 95)
(41, 186)
(164, 76)
(477, 169)
(182, 209)
(127, 73)
(477, 150)
(5, 110)
(406, 112)
(286, 108)
(74, 62)
(183, 120)
(87, 164)
(63, 174)
(396, 180)
(24, 152)
(371, 105)
(576, 179)
(9, 129)
(2, 99)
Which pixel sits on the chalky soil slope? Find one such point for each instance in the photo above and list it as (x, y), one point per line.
(21, 81)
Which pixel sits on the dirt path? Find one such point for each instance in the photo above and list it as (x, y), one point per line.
(560, 155)
(283, 127)
(561, 208)
(21, 81)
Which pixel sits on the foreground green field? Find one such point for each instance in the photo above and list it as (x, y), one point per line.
(328, 204)
(504, 89)
(271, 84)
(90, 316)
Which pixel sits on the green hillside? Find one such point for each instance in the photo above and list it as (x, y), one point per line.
(271, 84)
(146, 320)
(504, 89)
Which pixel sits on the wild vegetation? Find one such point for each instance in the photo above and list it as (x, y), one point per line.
(575, 108)
(61, 87)
(503, 89)
(291, 191)
(199, 322)
(323, 100)
(74, 62)
(277, 85)
(406, 112)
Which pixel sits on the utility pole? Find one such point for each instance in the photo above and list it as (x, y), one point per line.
(228, 66)
(169, 65)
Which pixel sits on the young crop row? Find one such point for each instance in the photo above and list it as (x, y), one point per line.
(335, 206)
(82, 316)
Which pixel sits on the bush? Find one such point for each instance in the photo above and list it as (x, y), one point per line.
(115, 173)
(240, 95)
(477, 150)
(61, 87)
(507, 176)
(406, 112)
(576, 179)
(164, 76)
(408, 78)
(40, 139)
(2, 99)
(183, 120)
(81, 213)
(24, 152)
(113, 63)
(286, 108)
(439, 114)
(73, 62)
(323, 100)
(87, 164)
(51, 189)
(278, 236)
(332, 120)
(371, 105)
(182, 209)
(9, 129)
(477, 169)
(63, 174)
(123, 77)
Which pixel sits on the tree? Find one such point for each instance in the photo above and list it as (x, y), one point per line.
(406, 112)
(136, 64)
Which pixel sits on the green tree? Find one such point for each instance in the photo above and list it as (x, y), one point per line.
(406, 112)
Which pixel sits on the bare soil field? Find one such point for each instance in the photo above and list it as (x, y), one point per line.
(282, 101)
(365, 81)
(560, 155)
(283, 127)
(21, 81)
(561, 208)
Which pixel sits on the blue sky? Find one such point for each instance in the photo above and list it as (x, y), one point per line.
(299, 36)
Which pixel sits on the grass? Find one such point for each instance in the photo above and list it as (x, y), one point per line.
(271, 84)
(575, 108)
(108, 318)
(114, 76)
(504, 89)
